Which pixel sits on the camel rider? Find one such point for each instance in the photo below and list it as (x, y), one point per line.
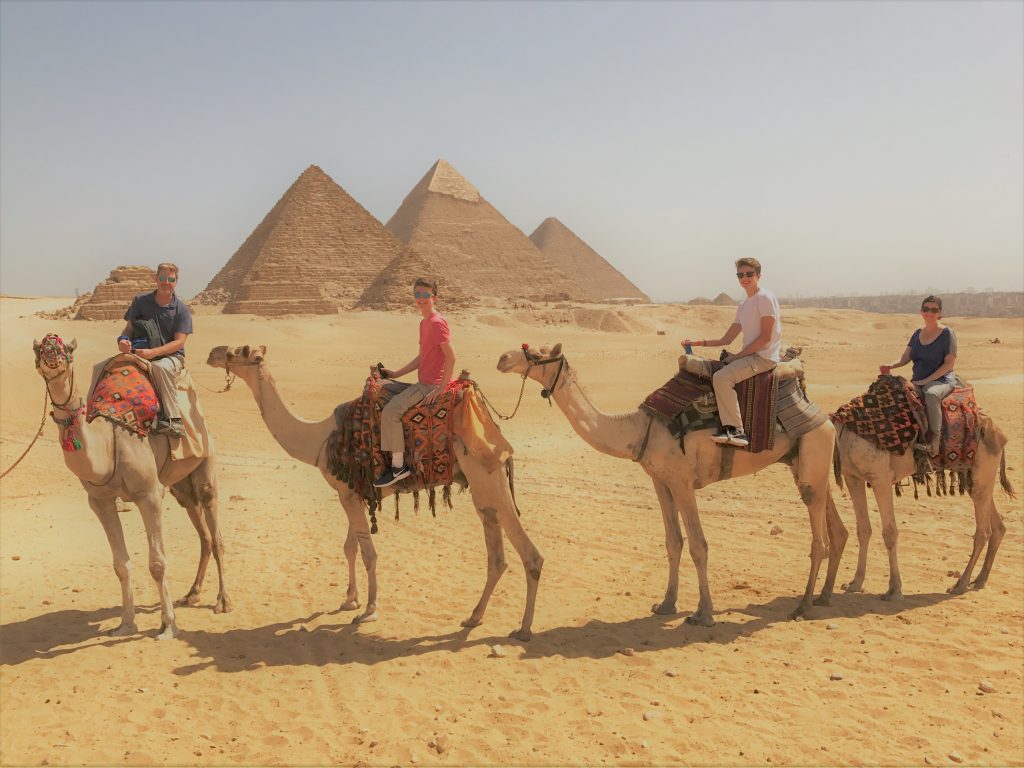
(436, 365)
(167, 360)
(760, 319)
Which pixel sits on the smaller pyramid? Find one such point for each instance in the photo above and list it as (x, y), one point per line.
(598, 279)
(700, 301)
(111, 298)
(724, 300)
(393, 287)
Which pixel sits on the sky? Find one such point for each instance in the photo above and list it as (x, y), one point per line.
(852, 147)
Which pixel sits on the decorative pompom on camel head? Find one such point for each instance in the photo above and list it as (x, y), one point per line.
(53, 356)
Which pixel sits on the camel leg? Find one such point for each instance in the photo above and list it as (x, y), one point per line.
(359, 536)
(890, 535)
(205, 483)
(184, 494)
(998, 530)
(685, 500)
(674, 547)
(813, 464)
(106, 511)
(837, 537)
(492, 497)
(859, 497)
(150, 507)
(496, 564)
(983, 534)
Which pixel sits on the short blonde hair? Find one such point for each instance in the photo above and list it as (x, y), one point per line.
(746, 261)
(166, 266)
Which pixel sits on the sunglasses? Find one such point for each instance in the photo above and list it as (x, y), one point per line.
(741, 275)
(422, 294)
(167, 279)
(933, 310)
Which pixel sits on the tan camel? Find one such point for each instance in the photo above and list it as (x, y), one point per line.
(677, 475)
(860, 462)
(113, 463)
(306, 440)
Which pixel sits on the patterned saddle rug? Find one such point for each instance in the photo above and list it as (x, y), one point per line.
(890, 415)
(125, 396)
(687, 402)
(354, 455)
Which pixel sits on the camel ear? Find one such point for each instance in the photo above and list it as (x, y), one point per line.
(35, 347)
(71, 346)
(556, 350)
(263, 351)
(245, 351)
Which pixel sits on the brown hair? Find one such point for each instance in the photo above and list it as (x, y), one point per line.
(746, 261)
(166, 266)
(932, 300)
(432, 285)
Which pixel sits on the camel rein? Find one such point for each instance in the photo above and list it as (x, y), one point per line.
(546, 392)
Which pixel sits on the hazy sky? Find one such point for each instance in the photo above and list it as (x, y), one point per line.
(853, 147)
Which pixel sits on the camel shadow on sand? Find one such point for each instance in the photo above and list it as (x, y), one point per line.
(311, 641)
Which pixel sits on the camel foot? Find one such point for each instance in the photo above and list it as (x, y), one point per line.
(365, 618)
(350, 605)
(472, 621)
(823, 600)
(854, 586)
(664, 609)
(894, 595)
(192, 598)
(800, 611)
(979, 583)
(522, 633)
(957, 589)
(167, 632)
(223, 604)
(699, 620)
(124, 630)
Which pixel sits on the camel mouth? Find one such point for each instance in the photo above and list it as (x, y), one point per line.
(507, 363)
(217, 357)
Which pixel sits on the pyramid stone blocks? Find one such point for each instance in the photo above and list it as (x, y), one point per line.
(112, 297)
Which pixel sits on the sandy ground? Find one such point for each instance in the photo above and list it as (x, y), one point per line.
(285, 678)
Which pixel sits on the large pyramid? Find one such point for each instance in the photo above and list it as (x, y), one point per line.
(111, 298)
(595, 276)
(470, 247)
(314, 253)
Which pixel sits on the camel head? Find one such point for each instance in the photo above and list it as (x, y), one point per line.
(53, 356)
(228, 358)
(530, 361)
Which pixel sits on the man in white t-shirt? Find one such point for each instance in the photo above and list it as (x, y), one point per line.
(759, 318)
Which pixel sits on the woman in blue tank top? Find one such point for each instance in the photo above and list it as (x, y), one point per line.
(932, 350)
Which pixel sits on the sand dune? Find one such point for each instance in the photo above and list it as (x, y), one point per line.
(285, 678)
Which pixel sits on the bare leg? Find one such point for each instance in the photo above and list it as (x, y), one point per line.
(890, 535)
(686, 502)
(496, 564)
(149, 506)
(859, 497)
(106, 511)
(674, 547)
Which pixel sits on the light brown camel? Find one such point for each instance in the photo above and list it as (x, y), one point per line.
(860, 462)
(306, 440)
(114, 463)
(677, 475)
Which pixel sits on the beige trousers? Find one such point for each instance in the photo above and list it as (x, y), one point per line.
(391, 436)
(164, 372)
(725, 381)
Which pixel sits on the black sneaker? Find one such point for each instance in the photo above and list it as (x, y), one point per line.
(738, 438)
(392, 476)
(722, 435)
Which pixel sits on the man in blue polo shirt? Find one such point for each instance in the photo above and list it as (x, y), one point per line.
(167, 360)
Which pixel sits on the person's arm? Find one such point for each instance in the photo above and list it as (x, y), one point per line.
(885, 369)
(727, 339)
(409, 367)
(449, 368)
(762, 341)
(164, 349)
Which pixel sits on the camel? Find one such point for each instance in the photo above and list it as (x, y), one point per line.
(113, 463)
(677, 474)
(305, 441)
(859, 461)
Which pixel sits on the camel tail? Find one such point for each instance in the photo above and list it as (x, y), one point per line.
(512, 484)
(1003, 480)
(837, 467)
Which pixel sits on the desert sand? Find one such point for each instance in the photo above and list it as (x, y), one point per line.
(285, 678)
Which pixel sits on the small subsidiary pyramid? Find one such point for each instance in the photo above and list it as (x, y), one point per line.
(596, 277)
(313, 253)
(724, 300)
(111, 298)
(471, 247)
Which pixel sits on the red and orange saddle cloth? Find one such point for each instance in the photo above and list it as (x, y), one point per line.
(355, 457)
(124, 395)
(890, 415)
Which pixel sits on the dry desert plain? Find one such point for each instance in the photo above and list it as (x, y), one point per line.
(285, 679)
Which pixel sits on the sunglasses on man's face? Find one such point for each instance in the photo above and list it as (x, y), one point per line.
(167, 279)
(741, 275)
(422, 294)
(933, 310)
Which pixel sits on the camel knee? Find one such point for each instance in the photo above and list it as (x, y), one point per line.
(890, 535)
(534, 564)
(206, 494)
(807, 494)
(158, 568)
(123, 569)
(698, 546)
(496, 562)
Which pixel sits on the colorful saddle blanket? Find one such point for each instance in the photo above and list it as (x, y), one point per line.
(354, 454)
(890, 415)
(687, 402)
(125, 396)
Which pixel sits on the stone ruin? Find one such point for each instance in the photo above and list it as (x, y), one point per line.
(111, 298)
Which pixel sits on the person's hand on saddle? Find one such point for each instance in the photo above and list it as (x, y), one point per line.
(145, 354)
(124, 345)
(884, 370)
